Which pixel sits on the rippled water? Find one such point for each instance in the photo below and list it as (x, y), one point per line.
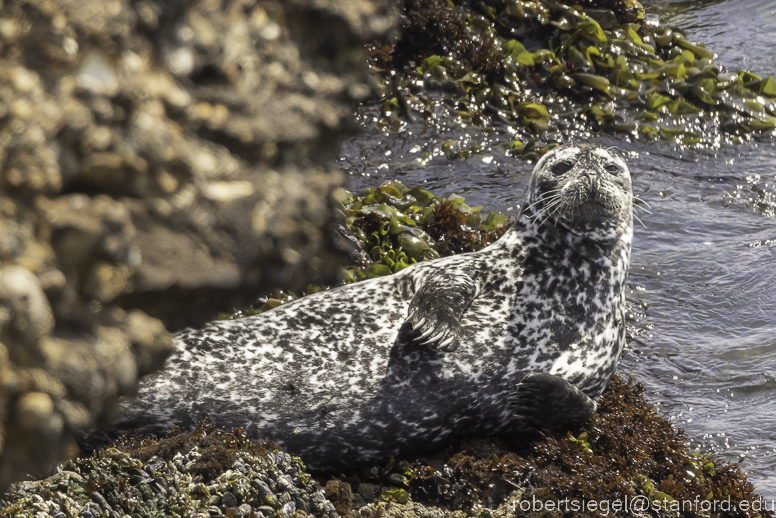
(703, 273)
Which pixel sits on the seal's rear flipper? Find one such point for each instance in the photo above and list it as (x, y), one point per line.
(546, 402)
(436, 308)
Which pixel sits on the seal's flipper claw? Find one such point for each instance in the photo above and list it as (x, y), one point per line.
(445, 336)
(419, 324)
(433, 338)
(449, 344)
(425, 334)
(546, 402)
(439, 300)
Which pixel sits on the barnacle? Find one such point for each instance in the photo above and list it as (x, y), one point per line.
(207, 471)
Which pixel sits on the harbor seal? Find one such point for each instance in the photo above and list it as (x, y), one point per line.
(523, 334)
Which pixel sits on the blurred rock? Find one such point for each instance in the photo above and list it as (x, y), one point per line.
(160, 161)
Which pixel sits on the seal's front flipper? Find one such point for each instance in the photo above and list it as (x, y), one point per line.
(436, 308)
(546, 402)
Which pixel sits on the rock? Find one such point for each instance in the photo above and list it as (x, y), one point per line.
(200, 486)
(35, 411)
(25, 316)
(161, 162)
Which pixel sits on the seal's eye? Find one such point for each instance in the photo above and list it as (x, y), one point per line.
(562, 167)
(612, 168)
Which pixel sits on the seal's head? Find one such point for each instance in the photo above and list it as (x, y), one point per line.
(584, 188)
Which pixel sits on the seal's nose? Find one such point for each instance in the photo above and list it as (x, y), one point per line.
(591, 183)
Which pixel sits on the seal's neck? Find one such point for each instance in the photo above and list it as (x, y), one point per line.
(552, 243)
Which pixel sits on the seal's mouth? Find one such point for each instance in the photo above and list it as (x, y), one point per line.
(589, 200)
(603, 204)
(579, 204)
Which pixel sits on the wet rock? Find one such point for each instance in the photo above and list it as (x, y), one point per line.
(160, 161)
(228, 500)
(340, 495)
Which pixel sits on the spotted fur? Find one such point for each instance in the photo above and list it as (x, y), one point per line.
(341, 378)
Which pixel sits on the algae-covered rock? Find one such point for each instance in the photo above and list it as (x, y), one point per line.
(160, 161)
(627, 452)
(550, 70)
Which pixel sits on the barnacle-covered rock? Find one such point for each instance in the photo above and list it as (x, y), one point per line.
(205, 473)
(160, 161)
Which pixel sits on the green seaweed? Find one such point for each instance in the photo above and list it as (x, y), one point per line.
(605, 66)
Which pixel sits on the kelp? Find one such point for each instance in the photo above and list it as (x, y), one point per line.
(604, 66)
(403, 226)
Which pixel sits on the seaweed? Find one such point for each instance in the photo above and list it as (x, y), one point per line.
(450, 227)
(340, 495)
(549, 70)
(626, 449)
(217, 448)
(626, 11)
(428, 27)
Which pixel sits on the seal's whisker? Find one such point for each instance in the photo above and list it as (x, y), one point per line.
(547, 208)
(549, 195)
(548, 202)
(637, 198)
(639, 220)
(552, 203)
(577, 199)
(558, 206)
(637, 206)
(544, 210)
